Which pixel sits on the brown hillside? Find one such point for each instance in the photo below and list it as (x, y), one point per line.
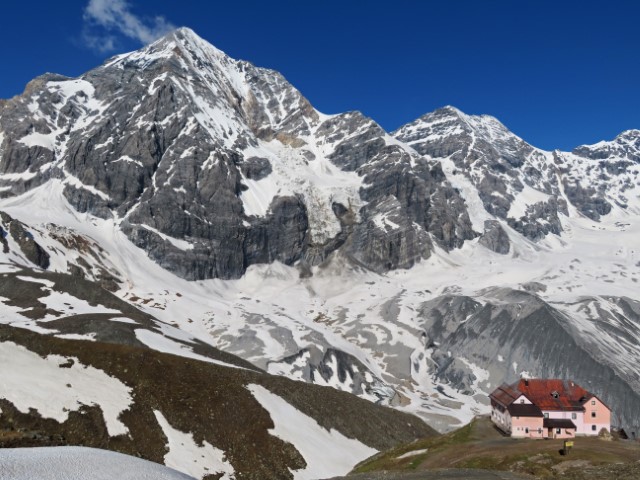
(208, 400)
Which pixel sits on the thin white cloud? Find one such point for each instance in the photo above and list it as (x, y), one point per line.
(99, 43)
(114, 16)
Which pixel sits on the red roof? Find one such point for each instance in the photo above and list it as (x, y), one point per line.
(558, 395)
(554, 394)
(505, 395)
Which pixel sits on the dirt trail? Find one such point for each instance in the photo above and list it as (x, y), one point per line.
(448, 474)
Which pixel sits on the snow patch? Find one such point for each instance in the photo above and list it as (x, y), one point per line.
(90, 337)
(123, 320)
(67, 304)
(176, 242)
(382, 221)
(128, 159)
(64, 463)
(327, 453)
(319, 181)
(75, 182)
(159, 342)
(30, 381)
(12, 177)
(43, 281)
(185, 455)
(412, 453)
(524, 199)
(35, 139)
(474, 204)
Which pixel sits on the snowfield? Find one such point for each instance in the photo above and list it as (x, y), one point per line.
(270, 313)
(76, 463)
(328, 453)
(186, 456)
(29, 381)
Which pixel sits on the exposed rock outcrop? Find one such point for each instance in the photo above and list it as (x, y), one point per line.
(494, 237)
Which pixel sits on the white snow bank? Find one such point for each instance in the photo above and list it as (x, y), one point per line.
(64, 463)
(67, 304)
(43, 281)
(412, 453)
(29, 381)
(328, 453)
(527, 197)
(468, 191)
(159, 342)
(186, 456)
(319, 181)
(176, 242)
(35, 139)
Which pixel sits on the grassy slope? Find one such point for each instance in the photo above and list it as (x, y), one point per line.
(479, 445)
(210, 401)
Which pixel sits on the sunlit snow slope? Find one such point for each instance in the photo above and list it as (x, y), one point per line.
(78, 462)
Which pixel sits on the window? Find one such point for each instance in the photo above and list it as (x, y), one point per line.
(546, 415)
(539, 431)
(593, 402)
(559, 430)
(574, 416)
(593, 428)
(526, 430)
(522, 400)
(593, 414)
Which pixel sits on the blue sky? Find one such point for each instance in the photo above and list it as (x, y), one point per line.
(557, 73)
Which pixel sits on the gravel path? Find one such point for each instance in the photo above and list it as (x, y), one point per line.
(445, 474)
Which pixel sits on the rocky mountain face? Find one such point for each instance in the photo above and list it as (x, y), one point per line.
(526, 187)
(507, 327)
(212, 165)
(418, 269)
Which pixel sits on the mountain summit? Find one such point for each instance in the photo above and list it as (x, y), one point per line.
(212, 164)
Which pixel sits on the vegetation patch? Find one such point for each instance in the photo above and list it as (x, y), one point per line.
(479, 445)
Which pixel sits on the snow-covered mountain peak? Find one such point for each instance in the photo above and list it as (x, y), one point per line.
(199, 50)
(526, 187)
(475, 122)
(188, 36)
(449, 124)
(626, 145)
(182, 42)
(446, 111)
(490, 128)
(200, 155)
(633, 134)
